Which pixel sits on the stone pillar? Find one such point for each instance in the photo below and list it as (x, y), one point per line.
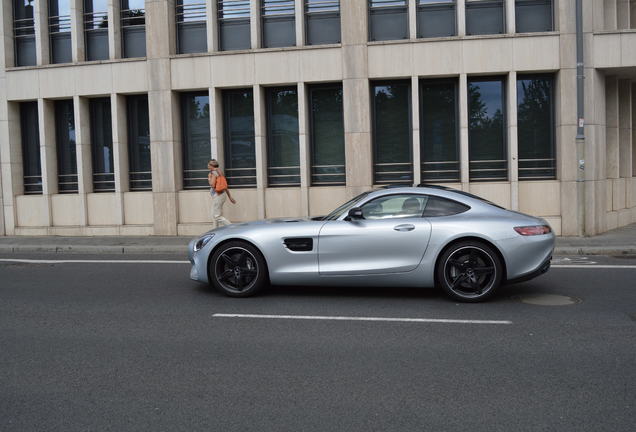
(120, 152)
(212, 26)
(509, 11)
(632, 14)
(7, 58)
(513, 143)
(611, 86)
(415, 121)
(216, 126)
(356, 97)
(78, 45)
(165, 145)
(622, 14)
(300, 22)
(464, 163)
(114, 29)
(260, 141)
(610, 11)
(625, 128)
(255, 24)
(11, 172)
(461, 17)
(48, 152)
(41, 19)
(412, 19)
(303, 148)
(83, 154)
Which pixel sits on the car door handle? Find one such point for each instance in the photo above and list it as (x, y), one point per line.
(404, 227)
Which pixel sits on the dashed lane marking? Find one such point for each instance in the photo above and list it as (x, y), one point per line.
(33, 261)
(348, 318)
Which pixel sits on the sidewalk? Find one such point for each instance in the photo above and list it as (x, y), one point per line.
(617, 242)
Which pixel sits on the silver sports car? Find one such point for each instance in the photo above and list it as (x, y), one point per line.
(421, 236)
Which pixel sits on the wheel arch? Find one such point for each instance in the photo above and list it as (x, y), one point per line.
(504, 276)
(228, 240)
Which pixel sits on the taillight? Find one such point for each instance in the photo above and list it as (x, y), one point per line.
(533, 230)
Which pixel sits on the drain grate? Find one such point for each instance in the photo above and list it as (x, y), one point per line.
(547, 299)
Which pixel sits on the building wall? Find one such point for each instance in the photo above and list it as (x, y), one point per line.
(609, 191)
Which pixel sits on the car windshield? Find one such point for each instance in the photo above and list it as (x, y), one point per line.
(345, 207)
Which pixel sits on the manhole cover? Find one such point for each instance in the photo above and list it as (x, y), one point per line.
(547, 299)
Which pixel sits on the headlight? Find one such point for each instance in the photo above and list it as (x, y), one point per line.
(202, 242)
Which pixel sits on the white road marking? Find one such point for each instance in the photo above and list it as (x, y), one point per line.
(33, 261)
(589, 266)
(345, 318)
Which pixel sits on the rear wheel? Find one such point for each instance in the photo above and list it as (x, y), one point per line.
(238, 269)
(469, 271)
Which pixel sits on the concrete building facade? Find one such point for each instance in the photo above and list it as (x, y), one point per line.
(69, 68)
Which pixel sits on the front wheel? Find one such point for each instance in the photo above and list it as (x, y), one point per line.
(238, 269)
(469, 271)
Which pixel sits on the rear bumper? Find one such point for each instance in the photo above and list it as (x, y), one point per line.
(541, 269)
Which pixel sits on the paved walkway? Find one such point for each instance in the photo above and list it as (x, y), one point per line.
(617, 242)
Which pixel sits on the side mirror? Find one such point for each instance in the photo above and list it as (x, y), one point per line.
(354, 213)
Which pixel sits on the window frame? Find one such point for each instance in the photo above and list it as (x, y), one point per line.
(474, 4)
(269, 135)
(55, 25)
(28, 156)
(435, 5)
(223, 22)
(326, 14)
(143, 178)
(131, 28)
(227, 140)
(371, 10)
(185, 147)
(66, 148)
(393, 196)
(180, 11)
(89, 20)
(23, 31)
(552, 15)
(105, 178)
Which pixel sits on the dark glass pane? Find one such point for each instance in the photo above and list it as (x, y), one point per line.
(95, 14)
(533, 16)
(61, 48)
(327, 136)
(437, 206)
(65, 144)
(279, 31)
(438, 131)
(392, 132)
(192, 37)
(388, 20)
(240, 152)
(535, 127)
(484, 17)
(138, 143)
(436, 19)
(30, 134)
(195, 115)
(97, 44)
(25, 51)
(102, 145)
(234, 34)
(24, 33)
(322, 21)
(134, 41)
(283, 160)
(486, 130)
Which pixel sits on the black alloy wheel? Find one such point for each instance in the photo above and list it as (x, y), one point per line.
(469, 271)
(237, 269)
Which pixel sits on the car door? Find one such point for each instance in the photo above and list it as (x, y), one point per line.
(391, 238)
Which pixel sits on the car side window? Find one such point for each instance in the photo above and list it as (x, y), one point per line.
(438, 206)
(395, 206)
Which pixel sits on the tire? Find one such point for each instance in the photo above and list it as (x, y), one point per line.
(469, 271)
(237, 269)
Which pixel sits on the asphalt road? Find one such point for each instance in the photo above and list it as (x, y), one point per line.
(124, 346)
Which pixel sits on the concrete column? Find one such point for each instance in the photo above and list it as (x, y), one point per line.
(7, 59)
(415, 122)
(463, 132)
(255, 24)
(303, 147)
(217, 149)
(83, 154)
(461, 17)
(260, 144)
(78, 45)
(634, 131)
(163, 104)
(622, 14)
(212, 25)
(613, 155)
(412, 19)
(114, 29)
(11, 172)
(513, 143)
(356, 97)
(41, 19)
(48, 152)
(625, 128)
(632, 14)
(120, 152)
(509, 11)
(610, 11)
(300, 22)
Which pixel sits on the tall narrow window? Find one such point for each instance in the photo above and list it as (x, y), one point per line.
(436, 18)
(234, 24)
(388, 20)
(191, 26)
(487, 129)
(322, 20)
(60, 31)
(484, 17)
(238, 137)
(327, 135)
(533, 16)
(140, 172)
(283, 159)
(96, 29)
(24, 32)
(133, 28)
(195, 115)
(102, 145)
(65, 144)
(30, 134)
(439, 144)
(279, 28)
(392, 155)
(535, 127)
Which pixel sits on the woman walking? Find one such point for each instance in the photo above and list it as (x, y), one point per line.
(219, 192)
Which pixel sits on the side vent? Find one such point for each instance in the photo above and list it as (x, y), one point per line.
(302, 244)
